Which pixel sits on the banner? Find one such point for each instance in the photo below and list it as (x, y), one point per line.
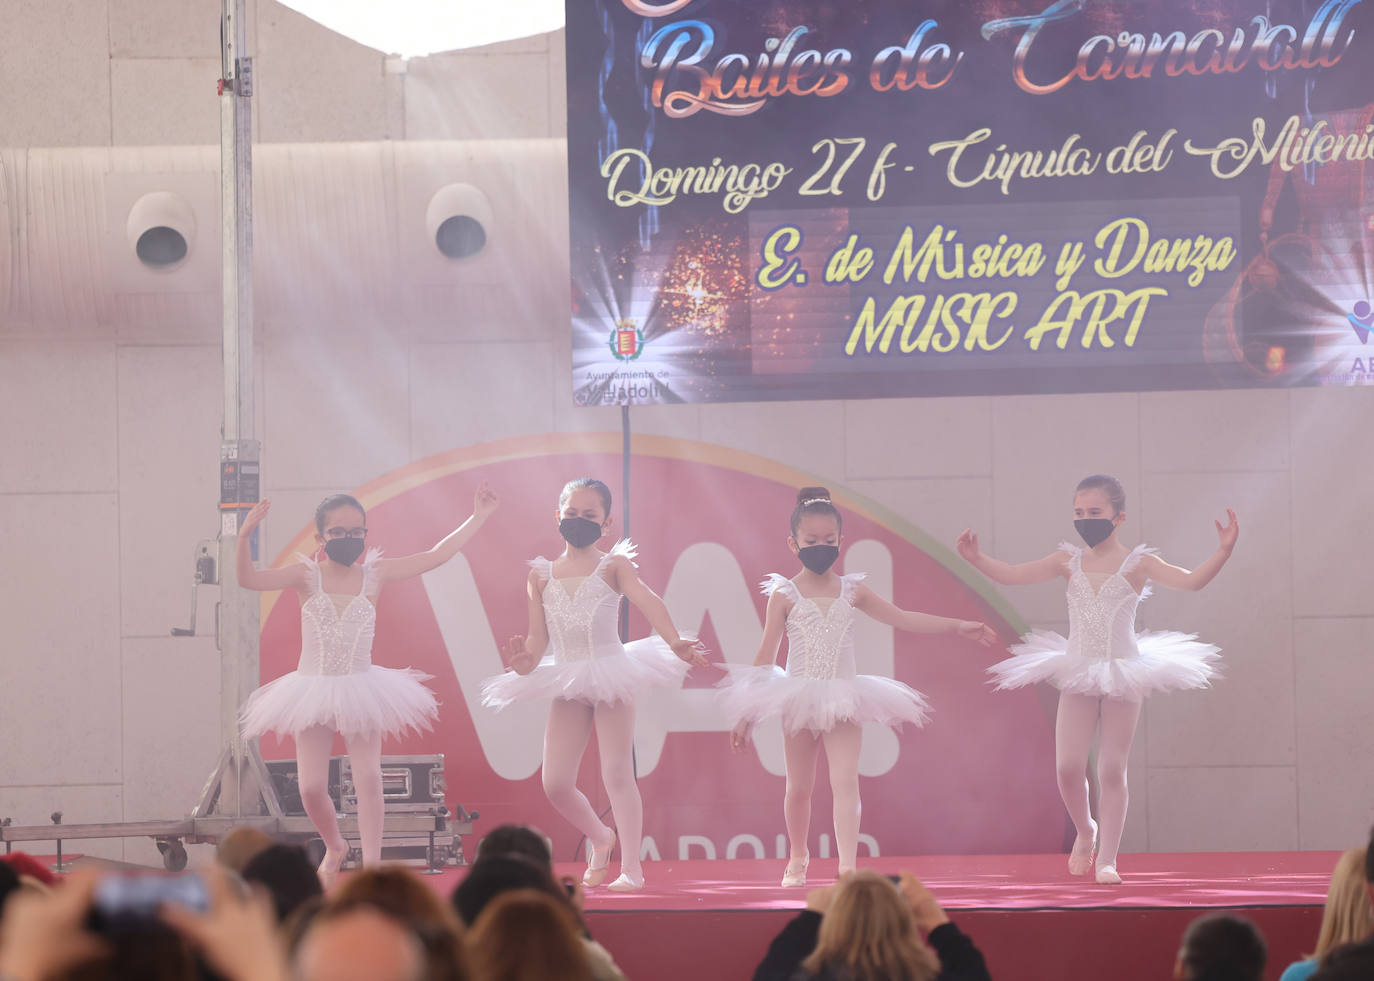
(802, 199)
(711, 522)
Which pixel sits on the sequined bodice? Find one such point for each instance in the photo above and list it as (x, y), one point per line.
(1102, 615)
(335, 641)
(820, 635)
(582, 614)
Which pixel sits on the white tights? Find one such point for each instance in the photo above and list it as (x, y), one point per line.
(842, 745)
(565, 740)
(313, 747)
(1073, 737)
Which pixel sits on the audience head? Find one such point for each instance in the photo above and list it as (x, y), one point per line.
(359, 943)
(238, 847)
(869, 933)
(1348, 915)
(9, 883)
(1221, 947)
(517, 839)
(528, 935)
(400, 893)
(286, 874)
(27, 867)
(492, 875)
(1369, 864)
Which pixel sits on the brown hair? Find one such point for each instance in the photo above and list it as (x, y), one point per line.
(1348, 915)
(1116, 494)
(869, 934)
(814, 500)
(400, 894)
(527, 935)
(241, 845)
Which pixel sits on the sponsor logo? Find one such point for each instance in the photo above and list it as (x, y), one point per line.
(626, 341)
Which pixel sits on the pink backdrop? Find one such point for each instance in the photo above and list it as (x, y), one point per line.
(979, 778)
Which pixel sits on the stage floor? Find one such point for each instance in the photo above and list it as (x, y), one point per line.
(1032, 920)
(988, 882)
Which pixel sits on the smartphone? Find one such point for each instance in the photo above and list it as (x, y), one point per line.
(129, 902)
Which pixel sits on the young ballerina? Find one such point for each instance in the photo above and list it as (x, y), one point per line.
(593, 679)
(1104, 669)
(336, 687)
(820, 697)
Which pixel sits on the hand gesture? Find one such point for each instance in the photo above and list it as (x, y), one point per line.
(924, 907)
(255, 517)
(576, 894)
(818, 900)
(518, 657)
(690, 651)
(741, 736)
(43, 936)
(1229, 532)
(238, 935)
(485, 501)
(977, 630)
(967, 546)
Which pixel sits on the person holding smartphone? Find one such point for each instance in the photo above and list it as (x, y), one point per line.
(872, 927)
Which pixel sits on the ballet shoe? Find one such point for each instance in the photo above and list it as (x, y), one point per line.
(627, 883)
(1081, 858)
(596, 874)
(795, 873)
(328, 870)
(1108, 876)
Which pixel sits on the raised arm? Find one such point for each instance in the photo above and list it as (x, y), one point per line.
(1176, 577)
(523, 653)
(1023, 574)
(879, 609)
(406, 566)
(262, 580)
(627, 581)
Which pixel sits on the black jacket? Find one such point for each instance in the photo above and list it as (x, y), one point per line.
(959, 959)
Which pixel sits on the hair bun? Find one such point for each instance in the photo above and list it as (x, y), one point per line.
(812, 494)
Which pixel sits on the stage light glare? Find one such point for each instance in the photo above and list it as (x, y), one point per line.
(414, 28)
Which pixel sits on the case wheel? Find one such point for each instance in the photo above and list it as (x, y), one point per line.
(173, 854)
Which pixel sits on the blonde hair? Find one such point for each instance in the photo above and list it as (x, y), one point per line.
(1348, 915)
(869, 933)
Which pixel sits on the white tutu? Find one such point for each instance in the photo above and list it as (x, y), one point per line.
(820, 688)
(389, 701)
(617, 677)
(754, 693)
(1167, 661)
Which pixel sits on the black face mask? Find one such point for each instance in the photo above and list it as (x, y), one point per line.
(1094, 530)
(819, 558)
(580, 532)
(344, 551)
